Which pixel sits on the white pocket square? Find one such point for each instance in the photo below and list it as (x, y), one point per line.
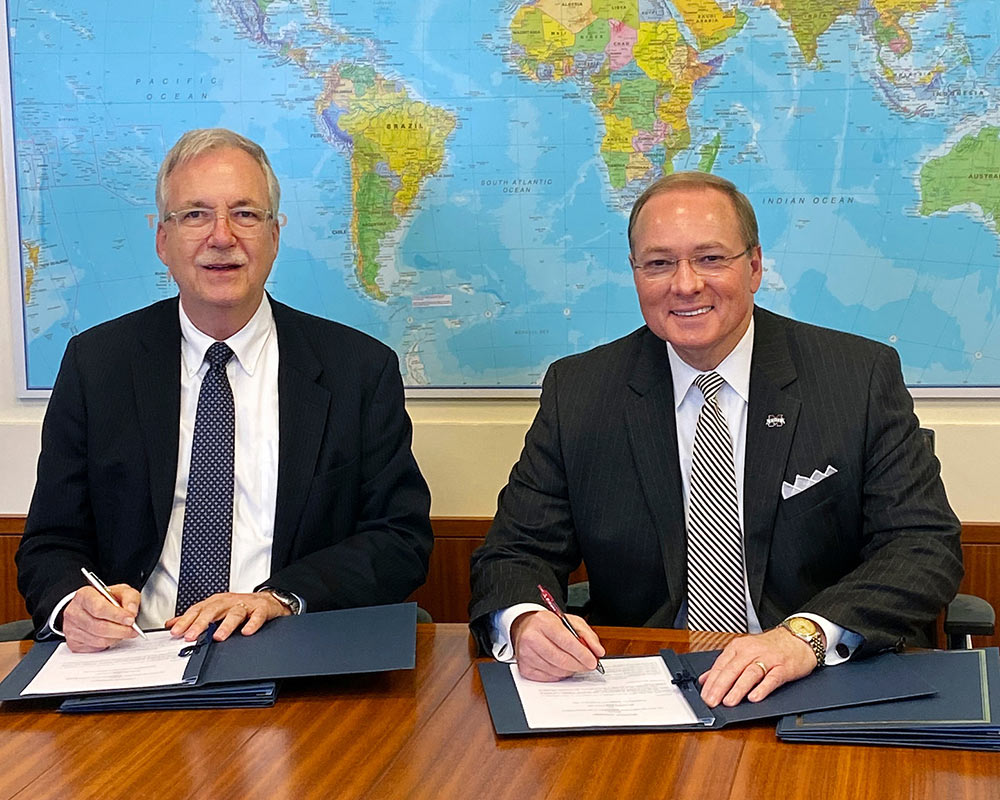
(802, 482)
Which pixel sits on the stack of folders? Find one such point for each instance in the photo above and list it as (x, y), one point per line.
(964, 713)
(160, 672)
(257, 694)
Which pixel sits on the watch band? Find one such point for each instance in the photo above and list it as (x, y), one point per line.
(814, 640)
(287, 599)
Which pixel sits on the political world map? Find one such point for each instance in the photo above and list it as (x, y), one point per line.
(457, 174)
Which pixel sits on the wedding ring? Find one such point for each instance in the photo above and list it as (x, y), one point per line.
(762, 667)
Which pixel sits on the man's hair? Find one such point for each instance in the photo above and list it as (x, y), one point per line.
(196, 142)
(701, 180)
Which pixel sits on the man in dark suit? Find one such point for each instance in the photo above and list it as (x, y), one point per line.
(302, 455)
(842, 541)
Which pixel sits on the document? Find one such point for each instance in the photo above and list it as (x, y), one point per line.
(131, 664)
(632, 692)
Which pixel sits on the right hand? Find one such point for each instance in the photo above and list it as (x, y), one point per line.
(90, 623)
(546, 651)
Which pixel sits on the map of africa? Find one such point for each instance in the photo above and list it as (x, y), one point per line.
(456, 174)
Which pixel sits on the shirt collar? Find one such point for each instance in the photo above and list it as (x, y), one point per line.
(247, 343)
(734, 369)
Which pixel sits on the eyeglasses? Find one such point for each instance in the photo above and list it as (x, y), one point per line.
(196, 223)
(705, 265)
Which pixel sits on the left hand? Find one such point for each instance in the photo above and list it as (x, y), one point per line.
(250, 610)
(736, 673)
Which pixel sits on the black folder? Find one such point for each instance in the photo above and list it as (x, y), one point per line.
(884, 677)
(370, 639)
(964, 714)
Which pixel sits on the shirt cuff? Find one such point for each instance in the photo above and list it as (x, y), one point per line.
(49, 629)
(500, 622)
(840, 642)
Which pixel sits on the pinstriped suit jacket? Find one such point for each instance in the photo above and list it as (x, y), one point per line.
(874, 548)
(351, 524)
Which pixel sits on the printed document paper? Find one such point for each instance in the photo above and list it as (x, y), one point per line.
(130, 664)
(632, 692)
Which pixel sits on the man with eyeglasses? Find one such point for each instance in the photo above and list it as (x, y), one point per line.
(219, 456)
(721, 468)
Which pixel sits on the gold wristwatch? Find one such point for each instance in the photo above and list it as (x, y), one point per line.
(810, 633)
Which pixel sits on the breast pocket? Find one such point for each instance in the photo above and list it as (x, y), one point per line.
(826, 492)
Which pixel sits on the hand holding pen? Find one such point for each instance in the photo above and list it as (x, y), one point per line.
(98, 584)
(551, 604)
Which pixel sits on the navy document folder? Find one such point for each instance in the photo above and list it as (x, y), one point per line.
(242, 670)
(885, 677)
(964, 714)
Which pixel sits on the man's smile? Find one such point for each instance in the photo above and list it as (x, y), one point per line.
(221, 266)
(693, 313)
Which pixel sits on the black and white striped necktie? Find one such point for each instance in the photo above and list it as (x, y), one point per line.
(716, 597)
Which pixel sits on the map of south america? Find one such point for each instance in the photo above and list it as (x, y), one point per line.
(395, 143)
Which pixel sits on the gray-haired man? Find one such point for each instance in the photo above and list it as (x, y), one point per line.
(220, 456)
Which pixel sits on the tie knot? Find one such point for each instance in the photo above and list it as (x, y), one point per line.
(709, 383)
(218, 355)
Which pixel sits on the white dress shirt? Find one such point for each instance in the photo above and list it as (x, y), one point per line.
(733, 397)
(253, 376)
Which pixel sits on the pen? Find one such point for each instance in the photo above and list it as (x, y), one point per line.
(551, 603)
(98, 584)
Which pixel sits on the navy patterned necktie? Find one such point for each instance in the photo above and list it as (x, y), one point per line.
(716, 595)
(208, 507)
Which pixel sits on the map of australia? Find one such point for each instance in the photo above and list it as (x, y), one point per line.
(456, 176)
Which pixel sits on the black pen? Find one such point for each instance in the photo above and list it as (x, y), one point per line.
(554, 608)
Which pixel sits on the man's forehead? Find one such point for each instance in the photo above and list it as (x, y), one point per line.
(193, 200)
(664, 246)
(688, 206)
(680, 199)
(218, 169)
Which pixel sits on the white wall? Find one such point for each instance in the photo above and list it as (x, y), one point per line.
(466, 447)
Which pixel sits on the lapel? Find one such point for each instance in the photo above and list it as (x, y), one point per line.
(303, 406)
(771, 374)
(156, 381)
(652, 431)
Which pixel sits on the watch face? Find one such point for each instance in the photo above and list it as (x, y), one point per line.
(802, 626)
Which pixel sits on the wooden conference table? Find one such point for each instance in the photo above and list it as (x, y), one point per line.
(426, 733)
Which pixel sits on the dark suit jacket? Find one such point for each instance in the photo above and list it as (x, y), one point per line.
(874, 548)
(351, 524)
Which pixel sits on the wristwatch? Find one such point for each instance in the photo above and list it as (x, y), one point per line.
(810, 633)
(287, 599)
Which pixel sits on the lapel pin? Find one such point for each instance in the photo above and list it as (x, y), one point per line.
(775, 420)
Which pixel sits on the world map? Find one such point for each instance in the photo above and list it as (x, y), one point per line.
(457, 174)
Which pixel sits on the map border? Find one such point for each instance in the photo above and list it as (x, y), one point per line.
(12, 228)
